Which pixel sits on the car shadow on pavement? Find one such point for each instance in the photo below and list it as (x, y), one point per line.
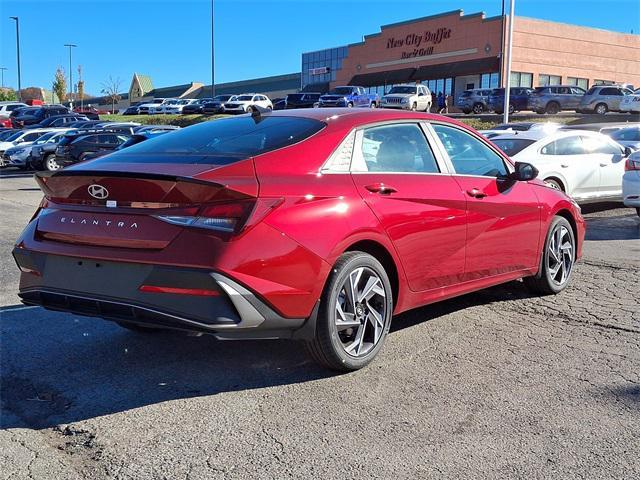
(59, 368)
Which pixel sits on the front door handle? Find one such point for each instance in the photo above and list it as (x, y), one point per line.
(380, 188)
(564, 165)
(476, 193)
(603, 164)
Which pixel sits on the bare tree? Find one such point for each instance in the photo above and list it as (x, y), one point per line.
(80, 94)
(59, 86)
(110, 88)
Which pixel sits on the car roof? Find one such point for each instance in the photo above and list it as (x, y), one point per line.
(542, 134)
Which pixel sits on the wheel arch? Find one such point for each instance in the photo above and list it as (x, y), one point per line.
(568, 216)
(558, 178)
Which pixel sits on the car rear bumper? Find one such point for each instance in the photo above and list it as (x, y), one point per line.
(158, 296)
(631, 189)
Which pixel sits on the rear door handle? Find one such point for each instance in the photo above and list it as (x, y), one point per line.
(476, 193)
(564, 165)
(603, 164)
(380, 188)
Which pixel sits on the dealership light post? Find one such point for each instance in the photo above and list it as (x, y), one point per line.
(507, 84)
(2, 69)
(18, 55)
(213, 82)
(71, 46)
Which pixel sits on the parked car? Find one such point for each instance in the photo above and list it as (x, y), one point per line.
(58, 121)
(85, 123)
(516, 127)
(22, 155)
(76, 145)
(348, 96)
(245, 103)
(9, 106)
(408, 97)
(43, 151)
(6, 133)
(280, 103)
(631, 182)
(518, 99)
(588, 166)
(19, 145)
(474, 100)
(553, 99)
(38, 114)
(608, 128)
(628, 137)
(602, 99)
(196, 107)
(144, 108)
(133, 109)
(155, 128)
(132, 140)
(217, 105)
(90, 111)
(177, 107)
(301, 100)
(631, 102)
(239, 255)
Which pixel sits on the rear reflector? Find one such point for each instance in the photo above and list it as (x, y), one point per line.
(179, 291)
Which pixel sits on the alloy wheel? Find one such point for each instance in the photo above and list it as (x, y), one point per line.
(560, 255)
(51, 164)
(478, 109)
(360, 312)
(601, 109)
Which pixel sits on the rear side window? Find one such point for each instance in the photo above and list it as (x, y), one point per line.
(610, 91)
(592, 91)
(398, 148)
(469, 155)
(627, 134)
(564, 146)
(221, 142)
(513, 146)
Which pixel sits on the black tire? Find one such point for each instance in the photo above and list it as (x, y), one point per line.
(512, 109)
(543, 282)
(478, 108)
(638, 211)
(138, 328)
(414, 107)
(553, 183)
(553, 108)
(327, 347)
(350, 105)
(601, 109)
(373, 105)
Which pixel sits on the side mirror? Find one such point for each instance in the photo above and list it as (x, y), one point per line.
(628, 151)
(524, 172)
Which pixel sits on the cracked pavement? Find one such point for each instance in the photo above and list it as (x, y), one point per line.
(496, 384)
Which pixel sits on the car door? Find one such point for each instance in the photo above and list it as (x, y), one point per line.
(576, 96)
(611, 160)
(417, 202)
(580, 169)
(503, 217)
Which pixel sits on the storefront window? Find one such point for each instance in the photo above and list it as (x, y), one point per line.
(489, 80)
(545, 80)
(578, 82)
(330, 58)
(603, 82)
(521, 79)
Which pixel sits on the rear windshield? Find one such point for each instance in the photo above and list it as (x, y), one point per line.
(295, 96)
(220, 142)
(512, 146)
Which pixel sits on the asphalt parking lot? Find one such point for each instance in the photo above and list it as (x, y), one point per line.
(496, 384)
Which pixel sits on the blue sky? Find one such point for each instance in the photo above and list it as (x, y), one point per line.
(170, 40)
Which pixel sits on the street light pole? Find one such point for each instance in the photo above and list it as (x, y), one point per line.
(70, 45)
(507, 83)
(18, 55)
(213, 81)
(2, 69)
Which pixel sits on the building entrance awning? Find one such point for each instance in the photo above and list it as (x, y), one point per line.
(431, 72)
(456, 69)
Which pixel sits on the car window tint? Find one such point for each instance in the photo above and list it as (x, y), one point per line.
(469, 155)
(512, 146)
(30, 137)
(397, 148)
(564, 146)
(600, 145)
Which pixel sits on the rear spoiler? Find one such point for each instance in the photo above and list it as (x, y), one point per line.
(45, 175)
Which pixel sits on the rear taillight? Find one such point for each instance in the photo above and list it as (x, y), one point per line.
(631, 165)
(226, 217)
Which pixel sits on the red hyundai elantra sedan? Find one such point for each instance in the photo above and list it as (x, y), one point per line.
(316, 225)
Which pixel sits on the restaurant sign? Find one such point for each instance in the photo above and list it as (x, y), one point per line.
(419, 44)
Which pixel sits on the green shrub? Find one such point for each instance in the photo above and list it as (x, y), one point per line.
(177, 120)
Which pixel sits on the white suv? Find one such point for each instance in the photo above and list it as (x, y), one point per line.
(408, 97)
(7, 107)
(244, 103)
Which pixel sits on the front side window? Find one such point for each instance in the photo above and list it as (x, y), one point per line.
(400, 148)
(469, 155)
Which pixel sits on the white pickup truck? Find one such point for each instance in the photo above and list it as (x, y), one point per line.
(408, 97)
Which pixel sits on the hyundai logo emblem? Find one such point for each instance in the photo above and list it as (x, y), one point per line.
(98, 191)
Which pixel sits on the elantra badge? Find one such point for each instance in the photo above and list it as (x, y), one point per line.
(98, 191)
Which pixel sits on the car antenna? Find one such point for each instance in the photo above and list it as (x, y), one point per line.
(257, 111)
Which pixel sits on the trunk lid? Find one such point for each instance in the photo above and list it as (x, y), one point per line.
(118, 207)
